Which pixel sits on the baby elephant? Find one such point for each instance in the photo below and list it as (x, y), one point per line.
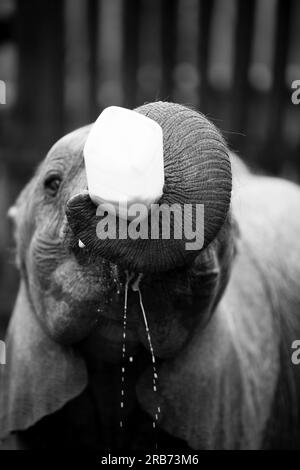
(220, 321)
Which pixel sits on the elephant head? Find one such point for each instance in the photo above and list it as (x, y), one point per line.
(197, 171)
(69, 294)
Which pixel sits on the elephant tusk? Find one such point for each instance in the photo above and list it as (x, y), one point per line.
(81, 244)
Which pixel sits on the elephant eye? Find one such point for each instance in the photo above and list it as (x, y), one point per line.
(52, 184)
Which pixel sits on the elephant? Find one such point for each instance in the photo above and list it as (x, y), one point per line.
(222, 318)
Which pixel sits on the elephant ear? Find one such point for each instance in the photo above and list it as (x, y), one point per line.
(40, 376)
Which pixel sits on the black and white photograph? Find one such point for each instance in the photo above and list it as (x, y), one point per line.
(149, 228)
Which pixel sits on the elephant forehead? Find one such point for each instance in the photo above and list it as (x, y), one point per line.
(68, 149)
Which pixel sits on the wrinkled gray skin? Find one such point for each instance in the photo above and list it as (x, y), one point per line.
(226, 378)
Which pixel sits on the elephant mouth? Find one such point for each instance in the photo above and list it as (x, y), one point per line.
(108, 288)
(164, 297)
(105, 290)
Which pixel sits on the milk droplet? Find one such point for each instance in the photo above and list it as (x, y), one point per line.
(129, 277)
(81, 244)
(155, 376)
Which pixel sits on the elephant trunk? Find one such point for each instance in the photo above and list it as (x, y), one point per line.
(197, 174)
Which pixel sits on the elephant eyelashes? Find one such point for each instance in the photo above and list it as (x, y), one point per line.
(52, 184)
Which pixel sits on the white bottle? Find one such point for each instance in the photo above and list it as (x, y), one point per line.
(124, 160)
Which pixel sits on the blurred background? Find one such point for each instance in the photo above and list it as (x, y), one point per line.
(63, 61)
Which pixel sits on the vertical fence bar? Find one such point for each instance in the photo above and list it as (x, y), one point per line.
(39, 30)
(169, 10)
(93, 34)
(278, 97)
(243, 43)
(279, 88)
(6, 36)
(131, 15)
(205, 19)
(6, 29)
(77, 75)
